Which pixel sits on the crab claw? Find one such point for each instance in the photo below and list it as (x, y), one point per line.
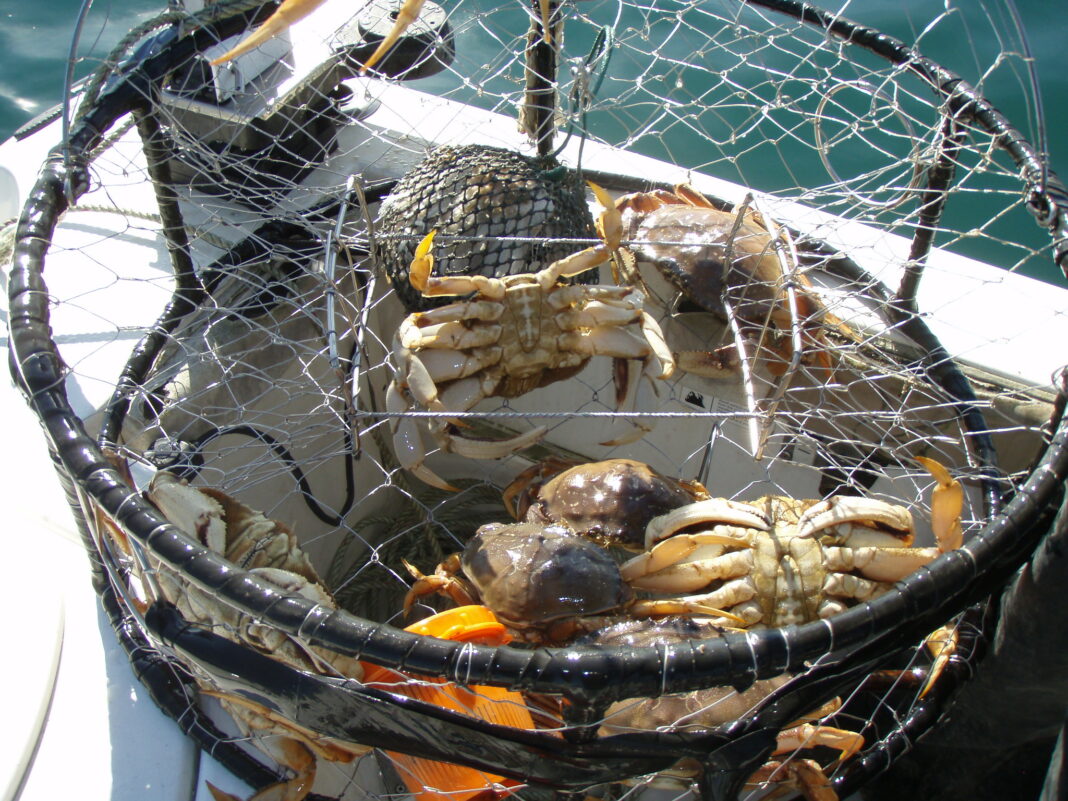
(408, 443)
(546, 9)
(298, 759)
(406, 15)
(422, 264)
(491, 448)
(288, 13)
(444, 580)
(947, 502)
(609, 222)
(942, 644)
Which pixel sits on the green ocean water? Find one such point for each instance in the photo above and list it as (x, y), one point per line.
(35, 40)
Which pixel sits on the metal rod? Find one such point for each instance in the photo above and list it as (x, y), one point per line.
(68, 87)
(537, 117)
(157, 156)
(932, 202)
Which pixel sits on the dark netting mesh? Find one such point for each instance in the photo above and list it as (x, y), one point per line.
(496, 213)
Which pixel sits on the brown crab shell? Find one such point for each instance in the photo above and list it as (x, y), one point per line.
(696, 711)
(532, 576)
(611, 502)
(689, 246)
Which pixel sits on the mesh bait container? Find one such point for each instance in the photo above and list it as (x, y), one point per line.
(275, 481)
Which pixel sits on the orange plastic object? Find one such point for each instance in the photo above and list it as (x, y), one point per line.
(426, 779)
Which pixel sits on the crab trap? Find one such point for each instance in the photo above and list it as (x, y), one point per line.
(567, 397)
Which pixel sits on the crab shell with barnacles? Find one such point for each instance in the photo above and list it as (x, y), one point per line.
(515, 334)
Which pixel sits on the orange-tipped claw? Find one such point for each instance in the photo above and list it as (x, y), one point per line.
(406, 15)
(610, 221)
(422, 264)
(289, 12)
(942, 643)
(947, 503)
(545, 7)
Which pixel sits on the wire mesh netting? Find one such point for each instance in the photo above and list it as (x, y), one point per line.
(605, 343)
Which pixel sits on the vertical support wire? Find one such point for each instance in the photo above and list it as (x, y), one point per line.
(538, 115)
(68, 89)
(189, 292)
(932, 202)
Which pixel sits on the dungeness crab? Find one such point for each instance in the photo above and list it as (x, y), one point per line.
(710, 256)
(545, 583)
(292, 11)
(610, 502)
(268, 550)
(702, 710)
(778, 561)
(517, 333)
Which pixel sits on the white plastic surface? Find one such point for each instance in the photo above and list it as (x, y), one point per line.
(77, 723)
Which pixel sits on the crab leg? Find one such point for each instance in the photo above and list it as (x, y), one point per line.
(596, 313)
(446, 365)
(807, 774)
(295, 756)
(841, 509)
(288, 13)
(730, 594)
(879, 564)
(807, 736)
(690, 576)
(719, 364)
(435, 286)
(694, 605)
(492, 449)
(408, 444)
(451, 335)
(444, 580)
(565, 296)
(709, 513)
(406, 15)
(947, 502)
(572, 265)
(942, 644)
(655, 337)
(639, 394)
(463, 310)
(461, 395)
(621, 344)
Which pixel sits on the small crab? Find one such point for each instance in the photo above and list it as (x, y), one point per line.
(689, 241)
(778, 561)
(611, 502)
(516, 334)
(269, 551)
(545, 583)
(701, 710)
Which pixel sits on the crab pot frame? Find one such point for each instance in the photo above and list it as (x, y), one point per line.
(830, 656)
